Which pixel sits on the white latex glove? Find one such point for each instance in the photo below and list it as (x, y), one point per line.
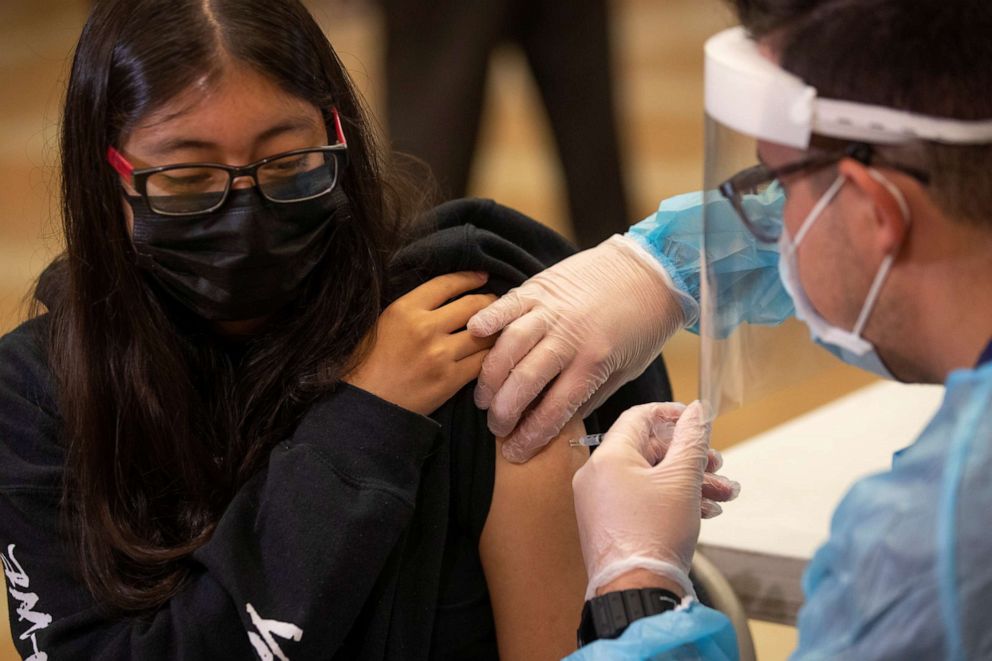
(590, 324)
(638, 498)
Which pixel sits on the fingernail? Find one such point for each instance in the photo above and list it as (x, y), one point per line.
(482, 275)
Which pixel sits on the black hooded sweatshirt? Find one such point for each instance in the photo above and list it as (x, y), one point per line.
(359, 540)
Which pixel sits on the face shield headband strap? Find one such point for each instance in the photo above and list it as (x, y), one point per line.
(749, 93)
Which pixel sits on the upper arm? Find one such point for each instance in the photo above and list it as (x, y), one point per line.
(530, 551)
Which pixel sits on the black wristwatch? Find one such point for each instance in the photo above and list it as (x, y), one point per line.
(609, 615)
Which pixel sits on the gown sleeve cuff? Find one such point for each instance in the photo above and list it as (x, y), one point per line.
(658, 261)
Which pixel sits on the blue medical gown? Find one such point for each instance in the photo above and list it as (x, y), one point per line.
(907, 570)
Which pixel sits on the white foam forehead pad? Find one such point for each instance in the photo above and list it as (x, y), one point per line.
(750, 94)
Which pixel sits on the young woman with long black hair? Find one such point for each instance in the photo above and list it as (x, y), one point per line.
(244, 424)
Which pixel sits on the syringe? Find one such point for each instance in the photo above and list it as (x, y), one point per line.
(587, 441)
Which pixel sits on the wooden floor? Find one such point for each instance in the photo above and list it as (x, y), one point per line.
(658, 67)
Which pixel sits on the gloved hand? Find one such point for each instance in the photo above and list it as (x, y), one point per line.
(638, 498)
(591, 323)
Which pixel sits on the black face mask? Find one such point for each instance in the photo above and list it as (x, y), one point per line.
(242, 261)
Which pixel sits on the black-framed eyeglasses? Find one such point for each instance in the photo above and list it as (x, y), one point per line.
(186, 189)
(757, 179)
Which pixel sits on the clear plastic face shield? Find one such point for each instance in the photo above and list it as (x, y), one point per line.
(760, 121)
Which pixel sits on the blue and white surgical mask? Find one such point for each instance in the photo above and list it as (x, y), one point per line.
(848, 345)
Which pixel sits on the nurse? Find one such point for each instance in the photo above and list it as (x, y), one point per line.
(867, 217)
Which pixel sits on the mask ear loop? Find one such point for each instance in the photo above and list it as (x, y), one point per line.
(893, 190)
(883, 270)
(817, 209)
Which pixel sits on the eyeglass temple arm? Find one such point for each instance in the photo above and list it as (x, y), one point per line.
(337, 127)
(120, 164)
(865, 154)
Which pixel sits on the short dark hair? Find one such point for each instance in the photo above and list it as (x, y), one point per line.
(926, 56)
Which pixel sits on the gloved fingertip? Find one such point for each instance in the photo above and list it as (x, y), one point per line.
(720, 488)
(705, 409)
(665, 416)
(483, 396)
(709, 509)
(735, 489)
(499, 425)
(499, 428)
(481, 325)
(516, 453)
(692, 414)
(716, 461)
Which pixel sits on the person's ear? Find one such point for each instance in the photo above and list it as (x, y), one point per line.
(891, 215)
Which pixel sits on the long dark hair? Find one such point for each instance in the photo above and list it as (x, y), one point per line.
(163, 423)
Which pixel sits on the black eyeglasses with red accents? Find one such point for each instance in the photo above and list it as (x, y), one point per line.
(186, 189)
(757, 179)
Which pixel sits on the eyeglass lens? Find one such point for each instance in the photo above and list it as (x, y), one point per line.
(298, 176)
(197, 189)
(186, 190)
(751, 192)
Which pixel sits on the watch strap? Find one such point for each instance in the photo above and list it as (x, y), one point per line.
(609, 615)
